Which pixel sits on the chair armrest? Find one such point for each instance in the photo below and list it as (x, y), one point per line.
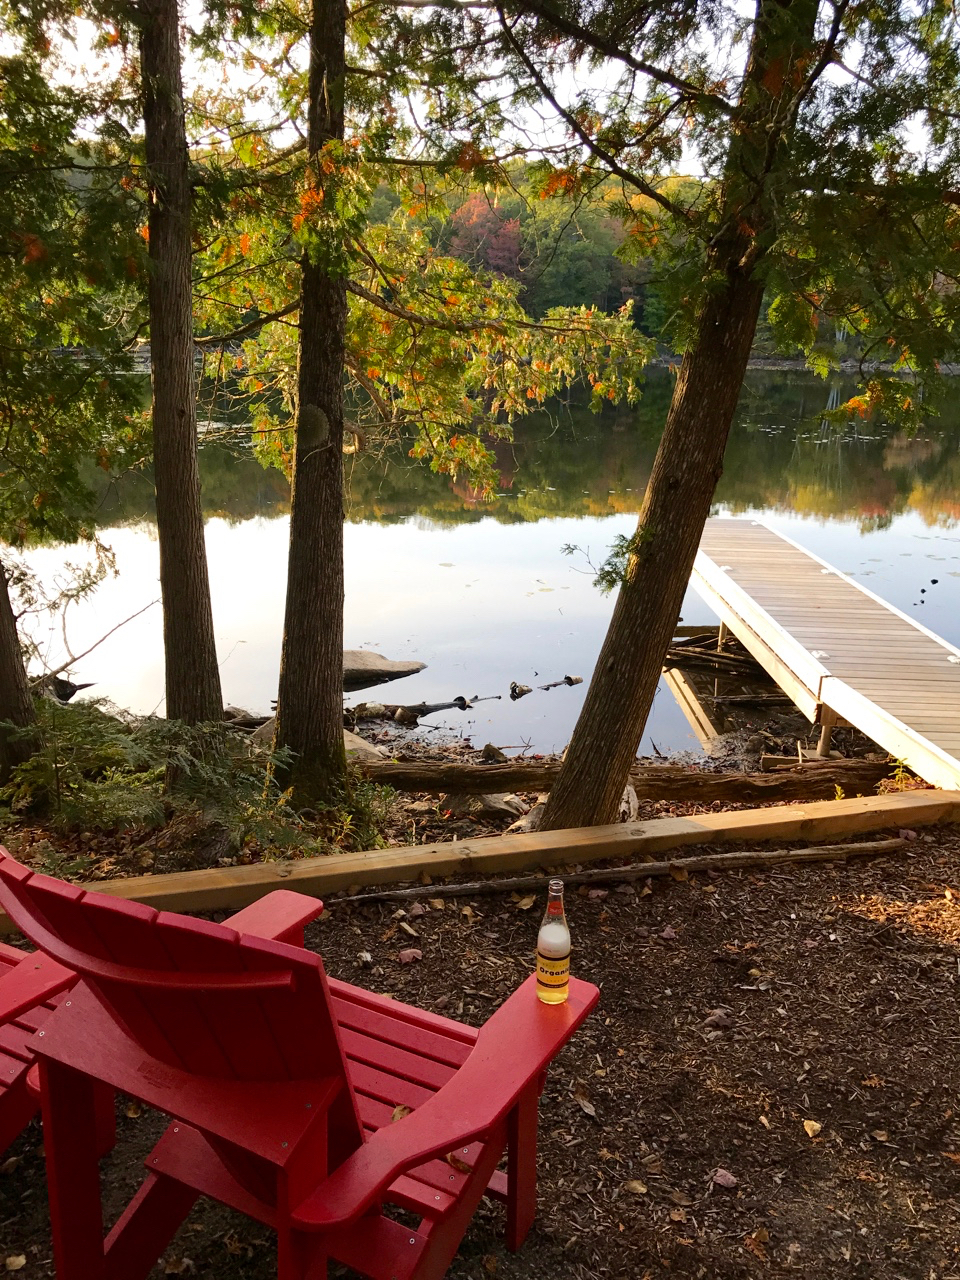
(514, 1046)
(36, 979)
(280, 916)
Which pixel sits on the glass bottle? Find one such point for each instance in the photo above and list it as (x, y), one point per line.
(553, 949)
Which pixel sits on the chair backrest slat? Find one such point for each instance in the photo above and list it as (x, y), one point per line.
(59, 906)
(177, 1017)
(233, 1026)
(288, 1032)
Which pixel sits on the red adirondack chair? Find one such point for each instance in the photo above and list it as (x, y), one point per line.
(31, 984)
(283, 1089)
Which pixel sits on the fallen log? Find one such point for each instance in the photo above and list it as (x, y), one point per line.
(651, 782)
(641, 871)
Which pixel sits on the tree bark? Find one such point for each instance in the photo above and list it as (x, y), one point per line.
(650, 782)
(192, 676)
(16, 704)
(689, 461)
(310, 698)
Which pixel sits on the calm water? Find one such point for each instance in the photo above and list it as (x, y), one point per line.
(482, 592)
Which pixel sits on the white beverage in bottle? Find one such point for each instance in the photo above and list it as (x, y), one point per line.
(553, 949)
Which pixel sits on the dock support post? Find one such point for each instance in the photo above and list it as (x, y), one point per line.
(828, 719)
(722, 635)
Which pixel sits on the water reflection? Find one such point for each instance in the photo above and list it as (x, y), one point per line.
(481, 591)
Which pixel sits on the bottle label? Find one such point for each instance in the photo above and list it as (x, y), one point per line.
(553, 971)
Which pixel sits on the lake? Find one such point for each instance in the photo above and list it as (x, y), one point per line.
(483, 592)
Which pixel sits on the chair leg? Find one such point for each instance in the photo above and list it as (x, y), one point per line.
(522, 1168)
(17, 1109)
(316, 1267)
(146, 1227)
(444, 1236)
(106, 1118)
(292, 1262)
(73, 1176)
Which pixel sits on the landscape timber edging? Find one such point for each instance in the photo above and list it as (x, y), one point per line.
(230, 888)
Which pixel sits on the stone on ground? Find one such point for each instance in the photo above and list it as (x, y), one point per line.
(500, 806)
(357, 748)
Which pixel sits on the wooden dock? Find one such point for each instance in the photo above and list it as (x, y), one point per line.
(841, 653)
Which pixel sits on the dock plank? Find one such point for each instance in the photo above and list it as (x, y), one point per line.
(830, 642)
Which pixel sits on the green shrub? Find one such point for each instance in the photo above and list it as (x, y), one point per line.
(102, 771)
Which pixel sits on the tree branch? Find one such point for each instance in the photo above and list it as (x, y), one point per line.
(50, 675)
(574, 31)
(245, 330)
(573, 124)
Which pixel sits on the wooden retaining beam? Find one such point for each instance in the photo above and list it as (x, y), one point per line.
(229, 888)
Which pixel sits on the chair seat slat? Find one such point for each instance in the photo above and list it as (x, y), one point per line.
(12, 1065)
(13, 1040)
(427, 1042)
(386, 1087)
(422, 1071)
(408, 1192)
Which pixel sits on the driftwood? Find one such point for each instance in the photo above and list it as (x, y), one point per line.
(651, 782)
(733, 664)
(642, 870)
(749, 700)
(697, 639)
(409, 715)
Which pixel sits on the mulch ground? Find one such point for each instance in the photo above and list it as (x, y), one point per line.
(771, 1083)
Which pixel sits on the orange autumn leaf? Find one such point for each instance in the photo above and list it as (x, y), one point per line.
(34, 248)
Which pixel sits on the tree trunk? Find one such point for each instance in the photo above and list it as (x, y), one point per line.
(689, 461)
(310, 698)
(16, 704)
(192, 675)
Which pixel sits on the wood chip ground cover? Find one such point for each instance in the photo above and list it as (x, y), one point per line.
(770, 1085)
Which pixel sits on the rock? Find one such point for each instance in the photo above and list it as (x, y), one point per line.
(419, 807)
(492, 755)
(264, 735)
(629, 804)
(357, 748)
(501, 806)
(237, 713)
(529, 822)
(508, 806)
(370, 711)
(362, 669)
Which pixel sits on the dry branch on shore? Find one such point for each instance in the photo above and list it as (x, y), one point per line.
(643, 870)
(650, 782)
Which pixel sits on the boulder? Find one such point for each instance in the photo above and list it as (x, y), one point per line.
(357, 748)
(362, 669)
(529, 822)
(264, 735)
(499, 806)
